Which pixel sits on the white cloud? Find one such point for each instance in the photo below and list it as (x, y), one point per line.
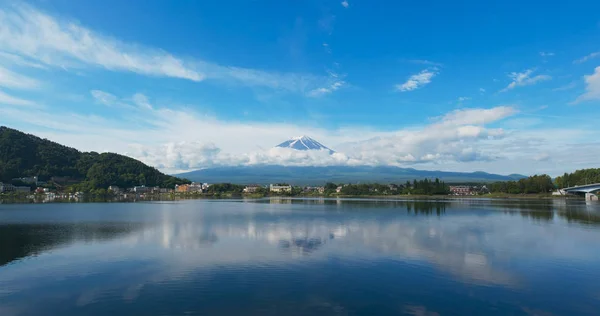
(334, 84)
(31, 33)
(161, 137)
(178, 139)
(586, 58)
(29, 37)
(477, 116)
(592, 89)
(546, 54)
(453, 137)
(482, 90)
(322, 91)
(19, 61)
(7, 99)
(417, 81)
(520, 79)
(104, 97)
(463, 99)
(345, 4)
(10, 79)
(142, 101)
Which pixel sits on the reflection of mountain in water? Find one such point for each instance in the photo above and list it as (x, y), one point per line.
(469, 241)
(302, 245)
(22, 240)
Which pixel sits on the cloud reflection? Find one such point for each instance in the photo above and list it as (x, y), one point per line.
(472, 243)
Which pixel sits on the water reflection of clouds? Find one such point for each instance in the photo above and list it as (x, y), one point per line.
(474, 248)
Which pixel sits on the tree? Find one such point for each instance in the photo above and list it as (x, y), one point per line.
(534, 184)
(579, 177)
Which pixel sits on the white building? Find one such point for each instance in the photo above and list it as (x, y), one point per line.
(6, 187)
(196, 187)
(280, 188)
(251, 188)
(142, 189)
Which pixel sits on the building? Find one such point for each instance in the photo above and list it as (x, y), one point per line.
(41, 190)
(142, 189)
(338, 189)
(22, 189)
(183, 188)
(6, 187)
(165, 190)
(280, 188)
(393, 187)
(196, 187)
(484, 189)
(319, 190)
(253, 188)
(461, 190)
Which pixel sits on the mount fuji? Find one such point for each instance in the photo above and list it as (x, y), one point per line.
(318, 175)
(303, 143)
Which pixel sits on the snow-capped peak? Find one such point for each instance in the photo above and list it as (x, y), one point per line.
(303, 143)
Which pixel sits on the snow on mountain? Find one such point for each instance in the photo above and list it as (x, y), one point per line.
(303, 143)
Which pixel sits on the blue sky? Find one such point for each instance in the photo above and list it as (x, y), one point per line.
(497, 86)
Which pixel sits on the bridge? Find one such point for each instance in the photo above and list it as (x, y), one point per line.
(588, 189)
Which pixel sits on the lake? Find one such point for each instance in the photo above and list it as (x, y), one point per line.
(301, 257)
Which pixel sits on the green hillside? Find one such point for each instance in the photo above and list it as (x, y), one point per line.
(25, 155)
(579, 177)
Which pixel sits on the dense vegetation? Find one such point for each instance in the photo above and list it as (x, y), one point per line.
(25, 155)
(365, 189)
(220, 188)
(427, 187)
(418, 187)
(579, 177)
(534, 184)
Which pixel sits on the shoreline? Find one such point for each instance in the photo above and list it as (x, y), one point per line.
(4, 199)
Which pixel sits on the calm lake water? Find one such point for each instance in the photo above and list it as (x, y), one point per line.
(301, 257)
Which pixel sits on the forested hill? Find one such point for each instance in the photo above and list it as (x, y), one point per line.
(24, 155)
(579, 177)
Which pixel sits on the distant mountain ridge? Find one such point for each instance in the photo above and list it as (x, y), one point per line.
(298, 175)
(23, 155)
(309, 175)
